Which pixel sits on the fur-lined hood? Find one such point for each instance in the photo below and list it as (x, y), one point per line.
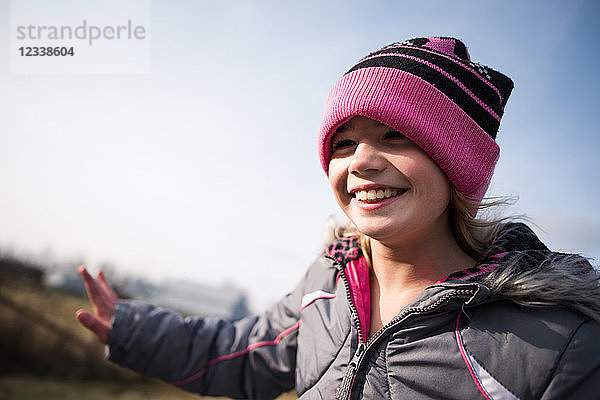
(531, 275)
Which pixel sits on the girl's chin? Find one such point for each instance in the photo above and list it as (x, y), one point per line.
(377, 231)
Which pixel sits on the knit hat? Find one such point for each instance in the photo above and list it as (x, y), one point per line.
(429, 90)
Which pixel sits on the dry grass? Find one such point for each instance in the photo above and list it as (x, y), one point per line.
(22, 387)
(35, 388)
(40, 335)
(27, 387)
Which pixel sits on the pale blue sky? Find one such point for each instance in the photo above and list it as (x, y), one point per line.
(206, 169)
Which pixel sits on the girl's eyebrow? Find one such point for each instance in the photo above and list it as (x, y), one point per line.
(344, 127)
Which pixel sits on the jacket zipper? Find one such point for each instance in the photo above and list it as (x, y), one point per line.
(345, 389)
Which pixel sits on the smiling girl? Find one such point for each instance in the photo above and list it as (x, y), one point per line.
(418, 299)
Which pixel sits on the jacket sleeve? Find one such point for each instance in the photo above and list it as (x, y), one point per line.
(251, 358)
(577, 373)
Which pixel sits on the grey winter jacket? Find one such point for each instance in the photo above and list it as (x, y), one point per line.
(522, 324)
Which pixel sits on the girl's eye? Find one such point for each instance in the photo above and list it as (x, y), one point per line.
(341, 144)
(394, 135)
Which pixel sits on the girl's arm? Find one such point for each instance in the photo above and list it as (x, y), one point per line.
(251, 358)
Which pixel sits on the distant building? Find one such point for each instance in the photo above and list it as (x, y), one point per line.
(191, 298)
(71, 283)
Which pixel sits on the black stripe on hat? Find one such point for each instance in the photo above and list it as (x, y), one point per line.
(460, 50)
(479, 114)
(473, 76)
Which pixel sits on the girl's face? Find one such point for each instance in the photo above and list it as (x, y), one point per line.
(388, 187)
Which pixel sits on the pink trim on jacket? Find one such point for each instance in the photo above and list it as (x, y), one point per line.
(489, 387)
(357, 272)
(237, 354)
(463, 353)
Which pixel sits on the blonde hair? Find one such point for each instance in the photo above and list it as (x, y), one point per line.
(473, 235)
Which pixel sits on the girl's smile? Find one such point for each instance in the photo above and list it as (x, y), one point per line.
(371, 199)
(378, 194)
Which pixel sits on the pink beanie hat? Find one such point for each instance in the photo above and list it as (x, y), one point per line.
(429, 90)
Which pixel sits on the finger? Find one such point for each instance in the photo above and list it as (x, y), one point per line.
(109, 291)
(89, 282)
(93, 288)
(93, 324)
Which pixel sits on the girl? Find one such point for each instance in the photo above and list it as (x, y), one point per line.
(418, 299)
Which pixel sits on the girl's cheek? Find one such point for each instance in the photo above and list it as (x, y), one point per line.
(336, 172)
(337, 180)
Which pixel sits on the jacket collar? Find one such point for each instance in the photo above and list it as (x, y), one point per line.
(516, 242)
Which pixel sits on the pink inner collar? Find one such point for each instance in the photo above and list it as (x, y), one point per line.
(357, 273)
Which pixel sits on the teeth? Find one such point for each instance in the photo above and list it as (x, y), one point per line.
(377, 194)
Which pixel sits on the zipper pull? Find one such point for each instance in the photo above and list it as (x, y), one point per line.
(357, 357)
(343, 391)
(359, 352)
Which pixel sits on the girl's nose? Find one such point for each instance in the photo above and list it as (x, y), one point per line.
(366, 160)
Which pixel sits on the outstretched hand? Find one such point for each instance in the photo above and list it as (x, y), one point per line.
(104, 300)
